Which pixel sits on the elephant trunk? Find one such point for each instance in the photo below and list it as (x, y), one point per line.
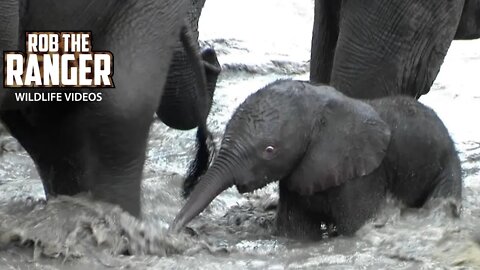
(181, 96)
(212, 184)
(184, 89)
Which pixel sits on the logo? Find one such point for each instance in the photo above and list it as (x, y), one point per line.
(58, 59)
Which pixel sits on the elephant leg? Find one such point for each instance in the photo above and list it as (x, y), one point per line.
(469, 26)
(392, 47)
(449, 181)
(294, 219)
(113, 137)
(48, 146)
(324, 40)
(357, 201)
(78, 149)
(116, 159)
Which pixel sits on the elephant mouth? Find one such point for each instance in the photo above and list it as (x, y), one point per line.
(243, 189)
(252, 186)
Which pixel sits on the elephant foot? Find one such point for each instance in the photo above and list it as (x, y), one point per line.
(294, 221)
(302, 231)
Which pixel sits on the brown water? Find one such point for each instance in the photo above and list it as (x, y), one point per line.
(236, 231)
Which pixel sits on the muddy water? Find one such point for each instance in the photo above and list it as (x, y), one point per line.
(235, 232)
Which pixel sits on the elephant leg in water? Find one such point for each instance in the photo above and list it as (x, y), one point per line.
(371, 49)
(99, 147)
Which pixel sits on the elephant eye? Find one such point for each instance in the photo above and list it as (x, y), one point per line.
(270, 149)
(269, 152)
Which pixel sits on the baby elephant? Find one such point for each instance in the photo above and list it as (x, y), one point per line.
(335, 157)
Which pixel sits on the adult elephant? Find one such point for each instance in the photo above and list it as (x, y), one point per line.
(369, 49)
(336, 162)
(99, 147)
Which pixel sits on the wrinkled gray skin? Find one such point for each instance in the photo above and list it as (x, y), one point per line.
(469, 26)
(99, 147)
(377, 48)
(335, 157)
(180, 90)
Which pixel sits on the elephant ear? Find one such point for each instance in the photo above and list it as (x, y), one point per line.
(349, 140)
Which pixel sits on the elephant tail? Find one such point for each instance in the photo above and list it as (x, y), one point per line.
(203, 158)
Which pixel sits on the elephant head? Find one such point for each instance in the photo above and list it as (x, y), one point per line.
(311, 137)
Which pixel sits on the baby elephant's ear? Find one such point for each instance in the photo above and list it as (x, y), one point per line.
(349, 140)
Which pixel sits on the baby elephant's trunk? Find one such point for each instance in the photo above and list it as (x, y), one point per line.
(212, 184)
